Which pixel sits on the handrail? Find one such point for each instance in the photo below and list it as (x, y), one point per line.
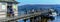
(25, 16)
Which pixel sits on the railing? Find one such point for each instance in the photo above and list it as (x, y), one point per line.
(25, 16)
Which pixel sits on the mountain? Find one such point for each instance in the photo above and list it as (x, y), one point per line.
(37, 6)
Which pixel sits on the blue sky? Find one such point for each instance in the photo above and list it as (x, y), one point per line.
(23, 2)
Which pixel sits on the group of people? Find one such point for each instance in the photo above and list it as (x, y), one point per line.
(10, 12)
(30, 11)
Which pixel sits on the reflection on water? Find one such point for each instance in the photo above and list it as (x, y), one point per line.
(21, 20)
(57, 19)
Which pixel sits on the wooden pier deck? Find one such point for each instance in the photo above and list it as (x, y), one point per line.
(26, 16)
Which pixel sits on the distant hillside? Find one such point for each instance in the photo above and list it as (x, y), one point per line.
(57, 7)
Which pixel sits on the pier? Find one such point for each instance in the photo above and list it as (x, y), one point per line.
(32, 17)
(9, 12)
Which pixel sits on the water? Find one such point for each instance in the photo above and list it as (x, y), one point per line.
(57, 19)
(23, 21)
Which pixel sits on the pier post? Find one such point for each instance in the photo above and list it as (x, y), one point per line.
(44, 19)
(32, 19)
(36, 19)
(25, 20)
(11, 21)
(39, 18)
(14, 21)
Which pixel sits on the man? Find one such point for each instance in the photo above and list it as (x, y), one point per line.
(11, 12)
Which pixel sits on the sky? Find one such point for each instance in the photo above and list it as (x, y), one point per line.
(24, 2)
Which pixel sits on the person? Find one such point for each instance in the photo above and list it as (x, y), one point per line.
(32, 10)
(25, 11)
(11, 12)
(8, 12)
